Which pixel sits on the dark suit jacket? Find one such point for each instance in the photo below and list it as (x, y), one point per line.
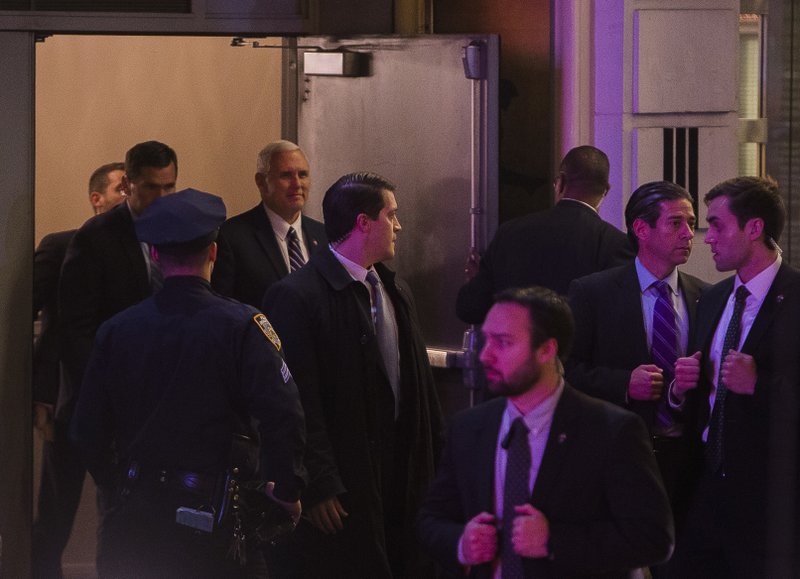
(598, 486)
(47, 350)
(610, 335)
(249, 258)
(104, 272)
(758, 428)
(354, 447)
(549, 248)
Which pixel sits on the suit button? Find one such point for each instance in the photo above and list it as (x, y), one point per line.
(364, 339)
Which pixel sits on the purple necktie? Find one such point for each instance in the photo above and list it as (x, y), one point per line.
(664, 349)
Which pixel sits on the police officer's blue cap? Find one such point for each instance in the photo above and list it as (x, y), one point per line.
(188, 219)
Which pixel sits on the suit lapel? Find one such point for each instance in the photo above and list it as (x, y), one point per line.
(132, 249)
(691, 293)
(713, 302)
(631, 318)
(484, 448)
(339, 280)
(559, 442)
(312, 242)
(265, 236)
(772, 305)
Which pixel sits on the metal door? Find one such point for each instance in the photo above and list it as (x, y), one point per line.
(412, 115)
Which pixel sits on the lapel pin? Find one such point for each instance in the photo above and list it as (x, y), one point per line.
(779, 298)
(562, 438)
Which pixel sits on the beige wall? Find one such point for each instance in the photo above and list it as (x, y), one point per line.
(96, 96)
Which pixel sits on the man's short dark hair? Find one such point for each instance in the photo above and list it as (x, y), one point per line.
(645, 204)
(586, 168)
(148, 154)
(549, 313)
(99, 179)
(350, 196)
(751, 197)
(184, 255)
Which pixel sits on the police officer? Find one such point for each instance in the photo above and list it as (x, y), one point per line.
(169, 384)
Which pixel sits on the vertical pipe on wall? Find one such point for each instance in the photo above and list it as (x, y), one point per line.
(17, 133)
(571, 57)
(290, 74)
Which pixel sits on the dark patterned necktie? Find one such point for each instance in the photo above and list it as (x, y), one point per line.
(664, 348)
(296, 260)
(715, 448)
(515, 492)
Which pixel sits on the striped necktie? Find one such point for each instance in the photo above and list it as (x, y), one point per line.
(664, 349)
(296, 260)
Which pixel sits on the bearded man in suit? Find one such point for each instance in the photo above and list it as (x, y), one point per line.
(352, 340)
(543, 481)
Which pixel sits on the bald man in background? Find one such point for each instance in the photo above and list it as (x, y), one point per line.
(549, 248)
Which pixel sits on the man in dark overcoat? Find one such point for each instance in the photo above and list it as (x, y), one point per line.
(353, 343)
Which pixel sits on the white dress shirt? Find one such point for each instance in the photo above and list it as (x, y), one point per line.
(758, 288)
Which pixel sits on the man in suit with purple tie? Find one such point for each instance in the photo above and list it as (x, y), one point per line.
(633, 321)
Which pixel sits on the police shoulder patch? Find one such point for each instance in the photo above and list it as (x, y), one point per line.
(268, 330)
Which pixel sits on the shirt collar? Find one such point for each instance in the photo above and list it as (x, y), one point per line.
(279, 224)
(647, 279)
(571, 200)
(541, 413)
(357, 272)
(760, 284)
